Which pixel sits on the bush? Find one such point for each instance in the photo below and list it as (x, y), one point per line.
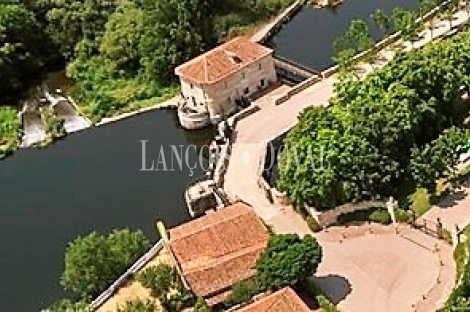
(402, 216)
(380, 216)
(420, 201)
(325, 304)
(313, 224)
(241, 293)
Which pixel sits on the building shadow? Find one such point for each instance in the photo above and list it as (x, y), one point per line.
(336, 287)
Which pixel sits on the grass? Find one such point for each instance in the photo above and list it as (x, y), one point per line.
(461, 253)
(420, 201)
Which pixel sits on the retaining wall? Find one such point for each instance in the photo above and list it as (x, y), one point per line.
(329, 217)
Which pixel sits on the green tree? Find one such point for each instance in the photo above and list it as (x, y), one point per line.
(159, 279)
(382, 21)
(23, 48)
(438, 159)
(176, 31)
(358, 33)
(287, 260)
(165, 285)
(69, 22)
(93, 262)
(406, 22)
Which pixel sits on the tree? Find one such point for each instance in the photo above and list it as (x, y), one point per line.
(159, 279)
(406, 22)
(358, 33)
(288, 259)
(93, 262)
(165, 285)
(176, 31)
(24, 49)
(438, 159)
(69, 22)
(382, 21)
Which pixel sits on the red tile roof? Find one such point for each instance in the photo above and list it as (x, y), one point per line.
(219, 249)
(281, 301)
(222, 61)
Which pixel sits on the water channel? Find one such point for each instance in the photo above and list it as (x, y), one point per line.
(92, 179)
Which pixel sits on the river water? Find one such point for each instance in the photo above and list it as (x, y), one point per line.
(92, 179)
(89, 181)
(308, 38)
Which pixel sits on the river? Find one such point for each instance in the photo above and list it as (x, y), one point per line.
(308, 38)
(89, 181)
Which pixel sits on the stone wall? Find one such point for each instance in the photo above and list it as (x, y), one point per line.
(329, 217)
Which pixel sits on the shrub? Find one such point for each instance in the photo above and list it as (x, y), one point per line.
(325, 304)
(380, 216)
(402, 216)
(241, 293)
(420, 201)
(313, 224)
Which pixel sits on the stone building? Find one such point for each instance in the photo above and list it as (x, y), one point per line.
(213, 83)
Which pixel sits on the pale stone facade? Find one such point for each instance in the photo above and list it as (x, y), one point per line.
(216, 80)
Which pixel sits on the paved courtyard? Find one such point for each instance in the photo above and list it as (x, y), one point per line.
(372, 268)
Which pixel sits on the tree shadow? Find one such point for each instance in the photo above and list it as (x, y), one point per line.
(452, 199)
(336, 287)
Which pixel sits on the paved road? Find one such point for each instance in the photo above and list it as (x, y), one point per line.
(373, 268)
(452, 210)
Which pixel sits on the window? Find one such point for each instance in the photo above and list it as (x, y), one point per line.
(243, 75)
(229, 100)
(246, 90)
(262, 83)
(226, 84)
(192, 86)
(194, 101)
(259, 66)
